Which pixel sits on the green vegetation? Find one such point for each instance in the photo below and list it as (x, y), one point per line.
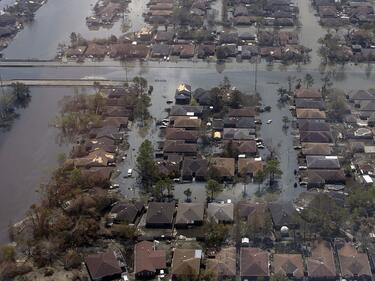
(11, 99)
(337, 105)
(272, 169)
(146, 165)
(215, 234)
(213, 188)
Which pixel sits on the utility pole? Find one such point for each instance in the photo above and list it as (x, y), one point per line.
(256, 75)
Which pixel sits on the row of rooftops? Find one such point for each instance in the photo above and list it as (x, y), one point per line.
(316, 139)
(149, 261)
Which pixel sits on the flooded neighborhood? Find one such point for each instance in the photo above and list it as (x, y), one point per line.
(187, 140)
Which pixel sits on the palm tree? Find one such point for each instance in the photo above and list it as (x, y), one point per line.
(259, 177)
(213, 188)
(309, 80)
(187, 193)
(273, 170)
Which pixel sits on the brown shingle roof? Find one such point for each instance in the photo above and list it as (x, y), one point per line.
(223, 166)
(224, 264)
(308, 93)
(242, 112)
(316, 136)
(316, 149)
(249, 166)
(179, 146)
(146, 258)
(312, 113)
(243, 147)
(254, 263)
(288, 264)
(220, 212)
(181, 134)
(186, 262)
(353, 263)
(160, 213)
(254, 213)
(188, 213)
(187, 122)
(322, 162)
(102, 265)
(321, 263)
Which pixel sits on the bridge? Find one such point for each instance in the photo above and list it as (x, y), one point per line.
(64, 82)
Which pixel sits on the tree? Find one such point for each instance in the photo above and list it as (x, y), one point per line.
(273, 169)
(285, 121)
(213, 188)
(327, 83)
(146, 165)
(216, 233)
(308, 80)
(188, 193)
(161, 186)
(337, 105)
(8, 253)
(259, 177)
(21, 93)
(140, 84)
(282, 92)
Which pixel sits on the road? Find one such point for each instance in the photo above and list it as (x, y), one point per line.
(64, 82)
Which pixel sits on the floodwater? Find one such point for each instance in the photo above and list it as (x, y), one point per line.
(28, 153)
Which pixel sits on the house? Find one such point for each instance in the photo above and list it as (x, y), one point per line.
(220, 212)
(203, 97)
(287, 38)
(103, 266)
(184, 51)
(310, 113)
(116, 122)
(353, 264)
(246, 147)
(248, 167)
(160, 50)
(127, 212)
(160, 215)
(186, 263)
(180, 147)
(322, 162)
(188, 136)
(98, 176)
(223, 168)
(96, 51)
(308, 93)
(282, 214)
(166, 168)
(319, 178)
(242, 112)
(195, 168)
(254, 214)
(310, 103)
(186, 110)
(238, 134)
(321, 264)
(254, 264)
(183, 94)
(205, 50)
(110, 132)
(316, 136)
(189, 214)
(316, 149)
(96, 158)
(147, 260)
(228, 38)
(239, 122)
(223, 266)
(187, 122)
(164, 36)
(313, 125)
(289, 265)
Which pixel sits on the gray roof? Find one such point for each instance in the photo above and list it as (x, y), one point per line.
(188, 213)
(322, 162)
(220, 212)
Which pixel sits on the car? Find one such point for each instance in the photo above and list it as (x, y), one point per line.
(115, 185)
(303, 183)
(260, 146)
(269, 121)
(163, 127)
(176, 180)
(169, 101)
(165, 120)
(296, 147)
(257, 121)
(130, 173)
(302, 168)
